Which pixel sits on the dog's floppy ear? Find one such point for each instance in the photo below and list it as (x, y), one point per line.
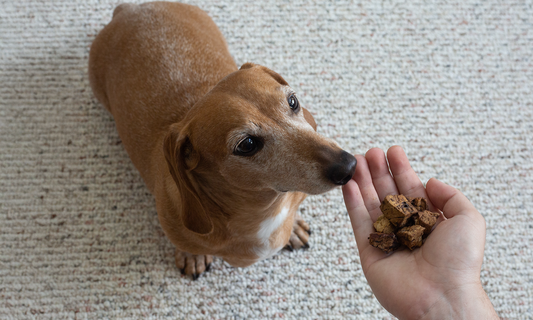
(182, 159)
(309, 118)
(273, 74)
(247, 65)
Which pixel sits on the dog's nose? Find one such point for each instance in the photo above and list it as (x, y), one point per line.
(342, 171)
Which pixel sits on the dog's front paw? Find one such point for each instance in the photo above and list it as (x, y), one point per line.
(191, 264)
(299, 236)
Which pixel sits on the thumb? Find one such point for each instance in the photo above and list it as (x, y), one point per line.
(448, 199)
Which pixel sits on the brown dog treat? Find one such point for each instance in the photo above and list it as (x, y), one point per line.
(387, 242)
(411, 236)
(405, 221)
(397, 209)
(383, 225)
(419, 203)
(427, 219)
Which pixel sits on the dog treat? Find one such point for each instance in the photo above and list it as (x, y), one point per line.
(383, 225)
(411, 236)
(419, 203)
(405, 221)
(397, 209)
(384, 241)
(427, 219)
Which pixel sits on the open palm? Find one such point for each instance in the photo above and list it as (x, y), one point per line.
(409, 284)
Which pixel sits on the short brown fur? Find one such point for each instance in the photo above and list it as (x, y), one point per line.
(181, 105)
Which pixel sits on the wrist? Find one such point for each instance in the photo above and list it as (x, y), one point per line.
(465, 302)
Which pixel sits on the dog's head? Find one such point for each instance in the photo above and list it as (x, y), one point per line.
(250, 132)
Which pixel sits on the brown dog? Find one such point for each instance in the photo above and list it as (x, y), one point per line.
(228, 154)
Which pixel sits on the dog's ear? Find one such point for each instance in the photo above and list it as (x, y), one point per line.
(309, 118)
(247, 65)
(276, 76)
(182, 159)
(273, 74)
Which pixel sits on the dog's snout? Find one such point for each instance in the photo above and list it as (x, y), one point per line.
(342, 171)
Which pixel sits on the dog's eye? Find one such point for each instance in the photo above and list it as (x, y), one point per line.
(294, 104)
(248, 147)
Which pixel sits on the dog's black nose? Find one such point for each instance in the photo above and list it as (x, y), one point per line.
(342, 171)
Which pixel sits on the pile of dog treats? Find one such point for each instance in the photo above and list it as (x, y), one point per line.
(404, 221)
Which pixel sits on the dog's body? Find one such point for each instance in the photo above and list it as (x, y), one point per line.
(228, 154)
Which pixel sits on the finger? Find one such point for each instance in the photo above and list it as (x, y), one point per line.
(405, 177)
(449, 200)
(361, 224)
(379, 170)
(359, 216)
(366, 188)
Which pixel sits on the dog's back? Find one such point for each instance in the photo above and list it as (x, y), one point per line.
(149, 65)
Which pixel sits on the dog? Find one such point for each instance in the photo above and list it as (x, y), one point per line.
(228, 153)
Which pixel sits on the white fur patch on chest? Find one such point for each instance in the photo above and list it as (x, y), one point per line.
(265, 231)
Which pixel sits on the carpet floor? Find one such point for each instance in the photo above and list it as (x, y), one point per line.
(450, 81)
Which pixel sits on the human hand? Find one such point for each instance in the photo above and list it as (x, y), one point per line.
(439, 280)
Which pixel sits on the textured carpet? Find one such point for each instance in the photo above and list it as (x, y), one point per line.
(450, 81)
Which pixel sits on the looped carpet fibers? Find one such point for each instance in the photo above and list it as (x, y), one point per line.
(450, 81)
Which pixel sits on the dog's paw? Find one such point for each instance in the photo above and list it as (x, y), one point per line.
(299, 236)
(193, 265)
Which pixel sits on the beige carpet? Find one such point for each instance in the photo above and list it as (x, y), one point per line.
(451, 81)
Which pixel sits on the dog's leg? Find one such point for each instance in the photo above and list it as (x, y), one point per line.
(191, 264)
(300, 234)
